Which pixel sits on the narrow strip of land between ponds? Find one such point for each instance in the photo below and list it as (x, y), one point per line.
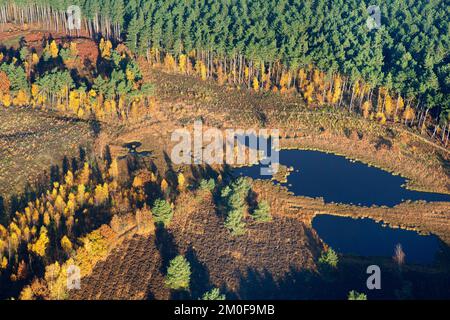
(426, 217)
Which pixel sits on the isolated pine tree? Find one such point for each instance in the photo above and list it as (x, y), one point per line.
(162, 211)
(178, 274)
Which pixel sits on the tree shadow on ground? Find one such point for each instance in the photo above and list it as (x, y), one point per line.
(166, 245)
(95, 126)
(205, 171)
(200, 282)
(383, 143)
(3, 217)
(294, 285)
(171, 176)
(412, 281)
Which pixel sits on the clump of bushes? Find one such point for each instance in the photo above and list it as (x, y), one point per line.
(234, 196)
(213, 294)
(354, 295)
(207, 185)
(329, 258)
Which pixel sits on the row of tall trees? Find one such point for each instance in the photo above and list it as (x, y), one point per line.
(280, 44)
(98, 17)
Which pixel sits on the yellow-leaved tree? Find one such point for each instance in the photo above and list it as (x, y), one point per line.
(66, 244)
(34, 58)
(54, 49)
(137, 182)
(101, 194)
(6, 100)
(105, 48)
(41, 245)
(337, 90)
(4, 263)
(255, 84)
(83, 177)
(366, 109)
(181, 181)
(182, 63)
(408, 114)
(284, 81)
(81, 194)
(164, 185)
(114, 169)
(203, 71)
(69, 178)
(381, 117)
(308, 94)
(388, 106)
(169, 62)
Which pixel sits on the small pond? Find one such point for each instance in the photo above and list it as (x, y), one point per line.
(365, 237)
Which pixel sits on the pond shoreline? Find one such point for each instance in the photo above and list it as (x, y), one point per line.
(414, 180)
(421, 216)
(365, 237)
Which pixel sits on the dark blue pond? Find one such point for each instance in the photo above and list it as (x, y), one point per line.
(337, 179)
(365, 237)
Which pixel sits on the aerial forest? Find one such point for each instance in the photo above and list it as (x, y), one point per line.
(323, 50)
(89, 169)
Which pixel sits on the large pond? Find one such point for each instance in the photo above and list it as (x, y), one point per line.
(365, 237)
(337, 179)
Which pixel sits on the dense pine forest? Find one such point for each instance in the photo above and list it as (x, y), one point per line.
(323, 49)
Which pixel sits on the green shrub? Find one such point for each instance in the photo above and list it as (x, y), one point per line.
(207, 185)
(234, 222)
(242, 185)
(262, 212)
(354, 295)
(233, 198)
(214, 294)
(162, 211)
(329, 258)
(178, 274)
(65, 54)
(225, 192)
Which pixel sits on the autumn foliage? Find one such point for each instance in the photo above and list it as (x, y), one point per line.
(115, 89)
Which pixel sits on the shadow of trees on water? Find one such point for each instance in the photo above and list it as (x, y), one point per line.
(294, 285)
(414, 282)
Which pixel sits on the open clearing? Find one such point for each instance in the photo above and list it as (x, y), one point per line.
(31, 141)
